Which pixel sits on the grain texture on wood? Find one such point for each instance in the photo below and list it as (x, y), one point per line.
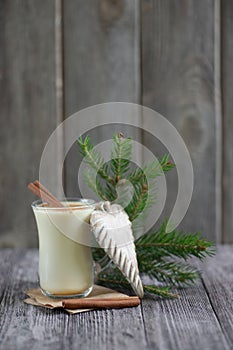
(27, 107)
(101, 64)
(26, 327)
(185, 323)
(227, 104)
(218, 281)
(178, 73)
(200, 319)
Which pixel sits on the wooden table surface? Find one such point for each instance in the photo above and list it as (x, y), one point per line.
(202, 318)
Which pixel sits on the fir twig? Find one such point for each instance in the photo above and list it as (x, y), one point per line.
(152, 170)
(94, 159)
(98, 254)
(155, 250)
(170, 272)
(176, 243)
(138, 202)
(163, 292)
(120, 156)
(116, 281)
(94, 184)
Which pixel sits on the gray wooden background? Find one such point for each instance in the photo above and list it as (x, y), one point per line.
(57, 57)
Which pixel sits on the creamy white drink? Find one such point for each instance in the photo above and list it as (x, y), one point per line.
(65, 264)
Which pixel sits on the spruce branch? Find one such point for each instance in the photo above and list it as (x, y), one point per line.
(166, 164)
(94, 159)
(120, 156)
(156, 251)
(116, 280)
(171, 272)
(155, 245)
(98, 254)
(163, 292)
(94, 184)
(138, 202)
(152, 170)
(110, 192)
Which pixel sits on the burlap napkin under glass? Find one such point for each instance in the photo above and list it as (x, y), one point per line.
(37, 298)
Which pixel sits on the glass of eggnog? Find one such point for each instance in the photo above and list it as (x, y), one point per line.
(65, 259)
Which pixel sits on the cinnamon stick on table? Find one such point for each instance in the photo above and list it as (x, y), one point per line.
(90, 303)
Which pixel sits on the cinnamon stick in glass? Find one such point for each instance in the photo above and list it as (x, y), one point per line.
(40, 191)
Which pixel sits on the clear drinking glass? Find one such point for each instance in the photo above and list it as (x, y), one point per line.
(65, 264)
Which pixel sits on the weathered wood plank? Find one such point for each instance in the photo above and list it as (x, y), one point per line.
(189, 322)
(101, 64)
(186, 323)
(101, 53)
(227, 104)
(26, 327)
(178, 71)
(218, 281)
(27, 107)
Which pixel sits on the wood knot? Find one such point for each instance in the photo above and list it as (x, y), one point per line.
(110, 11)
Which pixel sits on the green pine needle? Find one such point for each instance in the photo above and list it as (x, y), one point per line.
(138, 202)
(94, 159)
(120, 156)
(115, 279)
(163, 292)
(156, 251)
(170, 272)
(176, 243)
(152, 170)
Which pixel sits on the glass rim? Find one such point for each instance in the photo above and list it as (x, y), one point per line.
(85, 203)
